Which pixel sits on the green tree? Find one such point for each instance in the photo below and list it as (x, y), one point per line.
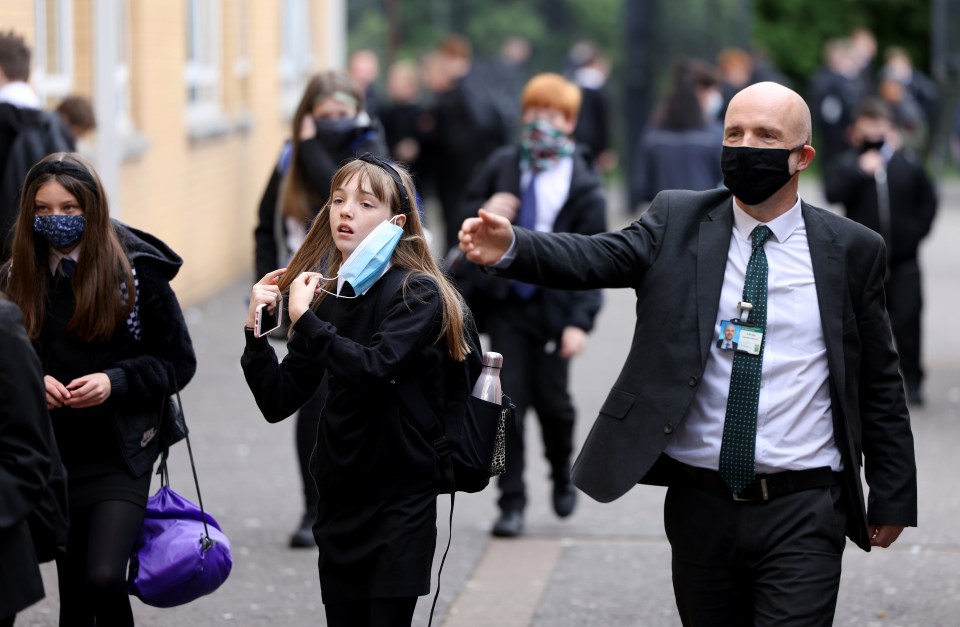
(793, 32)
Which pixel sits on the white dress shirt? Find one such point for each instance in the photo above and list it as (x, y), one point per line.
(794, 419)
(553, 189)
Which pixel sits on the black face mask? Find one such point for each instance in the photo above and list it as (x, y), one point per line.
(871, 144)
(755, 174)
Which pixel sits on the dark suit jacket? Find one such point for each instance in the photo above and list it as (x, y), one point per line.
(675, 256)
(720, 344)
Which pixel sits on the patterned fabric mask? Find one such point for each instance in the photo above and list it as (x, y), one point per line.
(542, 145)
(61, 232)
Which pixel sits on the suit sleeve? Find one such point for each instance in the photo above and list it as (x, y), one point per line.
(26, 435)
(603, 260)
(889, 464)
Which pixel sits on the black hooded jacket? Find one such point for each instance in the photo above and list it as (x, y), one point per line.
(147, 359)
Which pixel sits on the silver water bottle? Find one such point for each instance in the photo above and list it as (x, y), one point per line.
(487, 387)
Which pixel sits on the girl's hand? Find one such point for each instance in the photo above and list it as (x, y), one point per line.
(302, 291)
(89, 390)
(265, 291)
(57, 393)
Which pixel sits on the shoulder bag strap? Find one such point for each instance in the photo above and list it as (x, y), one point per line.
(206, 542)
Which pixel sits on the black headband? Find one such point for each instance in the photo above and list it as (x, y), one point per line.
(369, 157)
(58, 167)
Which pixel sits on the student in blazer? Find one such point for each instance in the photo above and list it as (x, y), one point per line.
(829, 362)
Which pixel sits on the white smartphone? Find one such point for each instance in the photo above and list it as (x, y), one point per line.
(264, 321)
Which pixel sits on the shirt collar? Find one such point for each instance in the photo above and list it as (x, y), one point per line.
(56, 256)
(783, 226)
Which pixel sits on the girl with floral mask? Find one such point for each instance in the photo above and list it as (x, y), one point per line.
(377, 474)
(113, 343)
(329, 127)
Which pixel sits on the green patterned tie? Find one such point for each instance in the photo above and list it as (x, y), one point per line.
(737, 451)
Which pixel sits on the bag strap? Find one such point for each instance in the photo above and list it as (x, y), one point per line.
(410, 394)
(205, 542)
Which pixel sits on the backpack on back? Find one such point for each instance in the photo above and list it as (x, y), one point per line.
(469, 436)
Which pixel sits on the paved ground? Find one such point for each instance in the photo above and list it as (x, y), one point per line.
(608, 565)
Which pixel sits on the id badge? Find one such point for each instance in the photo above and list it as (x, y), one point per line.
(737, 336)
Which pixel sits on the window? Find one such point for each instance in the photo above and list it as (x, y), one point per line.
(204, 113)
(296, 57)
(53, 52)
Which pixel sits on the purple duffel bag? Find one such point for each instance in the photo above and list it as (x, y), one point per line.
(181, 554)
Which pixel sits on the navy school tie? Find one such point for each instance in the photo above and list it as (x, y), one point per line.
(68, 266)
(738, 448)
(528, 220)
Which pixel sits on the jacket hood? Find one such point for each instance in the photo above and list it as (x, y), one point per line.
(142, 246)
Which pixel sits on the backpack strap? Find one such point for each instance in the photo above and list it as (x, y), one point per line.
(410, 394)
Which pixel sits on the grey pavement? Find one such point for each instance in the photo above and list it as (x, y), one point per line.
(607, 565)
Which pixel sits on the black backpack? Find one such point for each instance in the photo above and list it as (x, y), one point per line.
(469, 436)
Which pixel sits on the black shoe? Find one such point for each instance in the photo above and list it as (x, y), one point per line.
(302, 538)
(564, 498)
(509, 525)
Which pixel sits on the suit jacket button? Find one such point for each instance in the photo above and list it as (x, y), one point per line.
(668, 428)
(693, 382)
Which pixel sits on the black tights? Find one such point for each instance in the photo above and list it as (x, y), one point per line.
(93, 573)
(392, 612)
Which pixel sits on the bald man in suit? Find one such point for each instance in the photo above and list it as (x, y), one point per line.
(829, 400)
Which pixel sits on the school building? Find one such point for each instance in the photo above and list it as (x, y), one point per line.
(193, 101)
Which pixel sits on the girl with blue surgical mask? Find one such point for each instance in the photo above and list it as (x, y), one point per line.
(377, 475)
(329, 126)
(97, 305)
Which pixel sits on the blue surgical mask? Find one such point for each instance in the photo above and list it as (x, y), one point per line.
(61, 232)
(369, 259)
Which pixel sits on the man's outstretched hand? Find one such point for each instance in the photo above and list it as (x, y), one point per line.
(486, 238)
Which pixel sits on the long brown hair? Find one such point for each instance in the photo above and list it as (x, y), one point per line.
(319, 252)
(102, 264)
(297, 199)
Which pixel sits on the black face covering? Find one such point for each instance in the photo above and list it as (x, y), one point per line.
(871, 144)
(755, 174)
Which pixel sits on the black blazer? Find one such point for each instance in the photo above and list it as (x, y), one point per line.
(675, 256)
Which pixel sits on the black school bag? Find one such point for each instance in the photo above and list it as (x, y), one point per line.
(469, 437)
